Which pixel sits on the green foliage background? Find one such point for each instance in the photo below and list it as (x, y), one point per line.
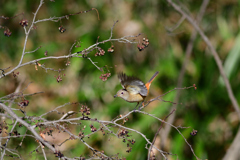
(208, 109)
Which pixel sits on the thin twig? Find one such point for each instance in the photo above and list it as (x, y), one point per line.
(94, 63)
(177, 25)
(33, 50)
(44, 154)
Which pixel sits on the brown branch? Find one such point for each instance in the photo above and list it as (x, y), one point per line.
(189, 49)
(214, 53)
(234, 148)
(155, 137)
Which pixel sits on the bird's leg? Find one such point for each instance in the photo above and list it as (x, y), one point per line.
(142, 104)
(136, 107)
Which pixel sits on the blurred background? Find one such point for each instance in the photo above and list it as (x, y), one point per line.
(207, 109)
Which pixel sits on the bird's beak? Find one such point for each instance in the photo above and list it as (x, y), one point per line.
(115, 96)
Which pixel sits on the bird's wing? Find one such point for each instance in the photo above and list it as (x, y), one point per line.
(132, 84)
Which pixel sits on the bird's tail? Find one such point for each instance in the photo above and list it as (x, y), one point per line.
(151, 79)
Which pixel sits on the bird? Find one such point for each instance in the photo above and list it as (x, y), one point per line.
(134, 90)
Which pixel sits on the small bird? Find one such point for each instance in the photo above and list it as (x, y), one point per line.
(134, 90)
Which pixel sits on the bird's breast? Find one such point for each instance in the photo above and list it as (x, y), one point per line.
(135, 98)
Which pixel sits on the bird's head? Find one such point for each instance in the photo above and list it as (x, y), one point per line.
(122, 94)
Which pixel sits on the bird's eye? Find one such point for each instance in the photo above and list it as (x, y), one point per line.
(121, 92)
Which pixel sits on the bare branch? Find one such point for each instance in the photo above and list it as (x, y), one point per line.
(29, 127)
(214, 53)
(188, 51)
(155, 137)
(3, 152)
